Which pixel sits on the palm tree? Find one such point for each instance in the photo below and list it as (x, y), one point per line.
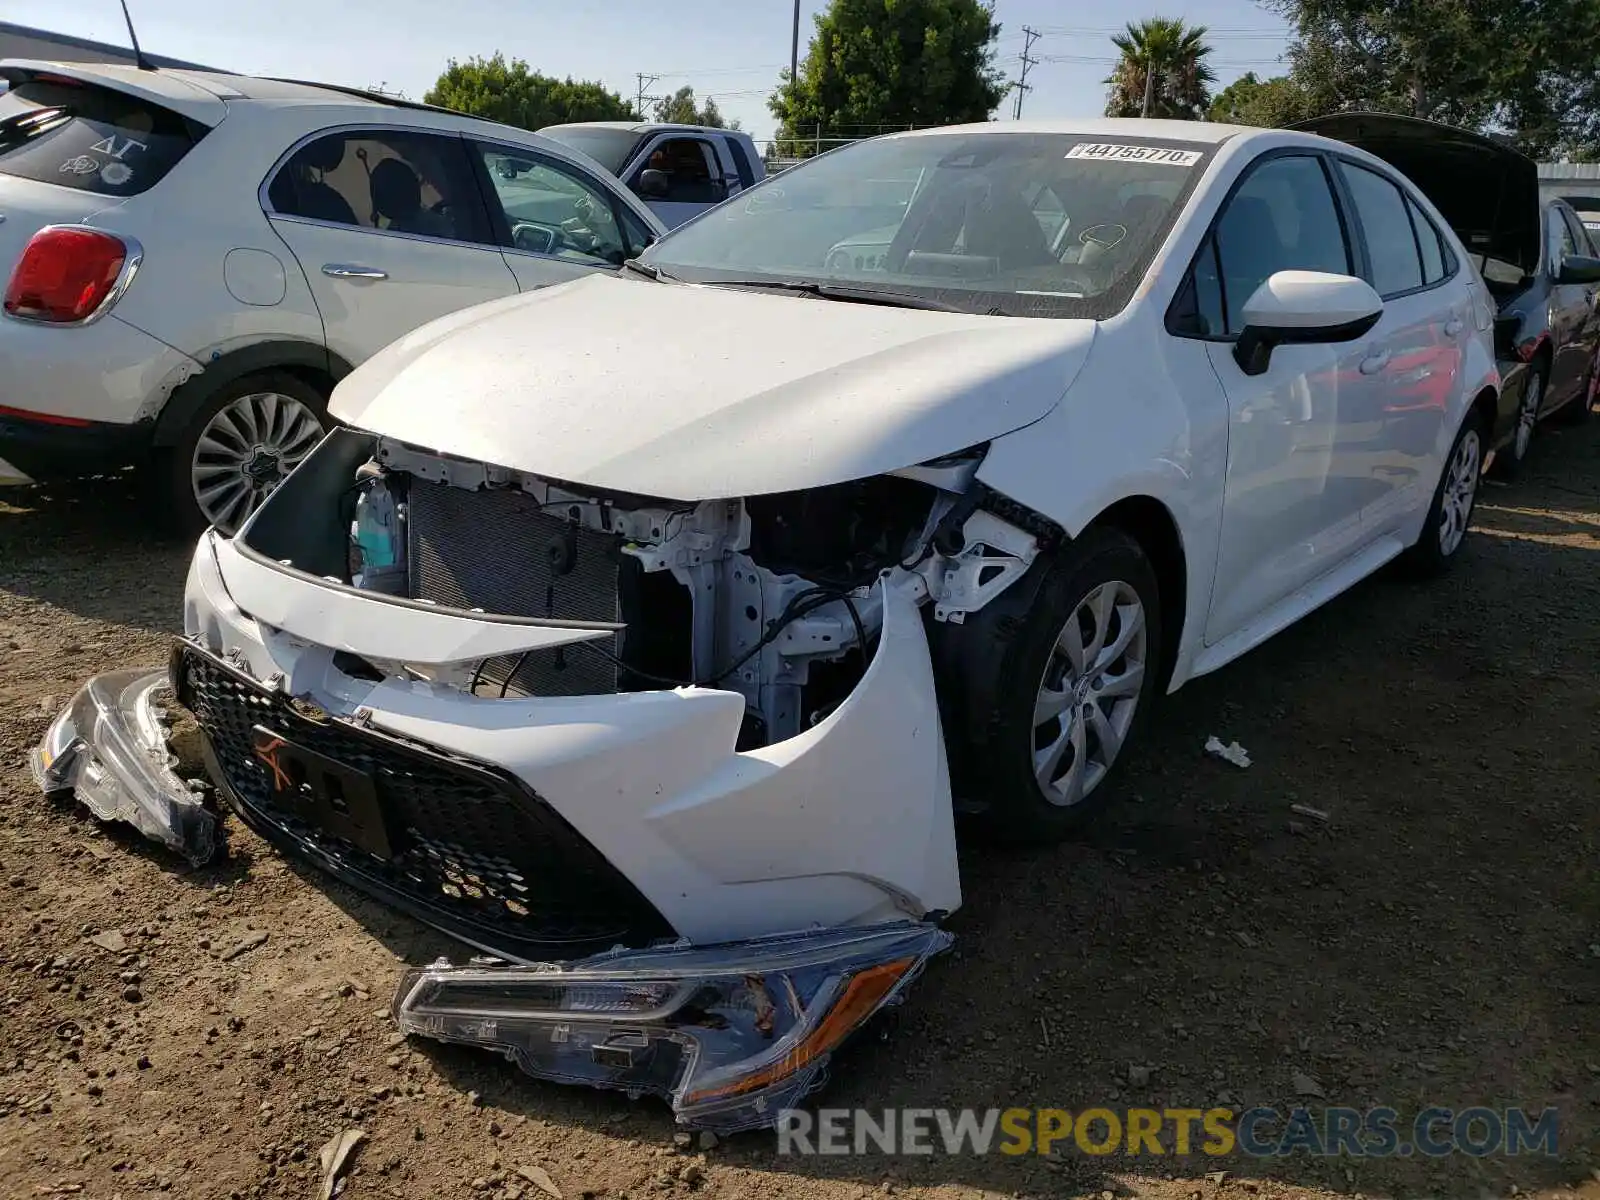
(1162, 71)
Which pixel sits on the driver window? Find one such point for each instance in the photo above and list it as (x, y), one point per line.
(1581, 241)
(690, 167)
(1282, 218)
(394, 181)
(1562, 247)
(550, 209)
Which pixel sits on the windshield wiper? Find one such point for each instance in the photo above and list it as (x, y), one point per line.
(19, 127)
(844, 292)
(649, 272)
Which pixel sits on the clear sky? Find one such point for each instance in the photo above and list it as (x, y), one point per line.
(732, 49)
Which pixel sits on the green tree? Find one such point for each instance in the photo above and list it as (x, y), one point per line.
(1271, 103)
(879, 65)
(1526, 69)
(680, 108)
(1162, 67)
(509, 92)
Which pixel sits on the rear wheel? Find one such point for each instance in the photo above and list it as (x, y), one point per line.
(1577, 411)
(1055, 682)
(1454, 499)
(238, 448)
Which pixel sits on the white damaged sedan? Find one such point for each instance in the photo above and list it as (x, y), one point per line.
(647, 631)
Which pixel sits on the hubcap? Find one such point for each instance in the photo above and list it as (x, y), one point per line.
(1089, 693)
(1460, 490)
(1527, 415)
(245, 451)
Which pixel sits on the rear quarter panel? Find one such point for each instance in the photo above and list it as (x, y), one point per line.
(205, 208)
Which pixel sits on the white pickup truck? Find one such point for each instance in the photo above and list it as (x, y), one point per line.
(678, 170)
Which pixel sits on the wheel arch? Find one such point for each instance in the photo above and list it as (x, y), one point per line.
(1151, 524)
(1485, 407)
(315, 365)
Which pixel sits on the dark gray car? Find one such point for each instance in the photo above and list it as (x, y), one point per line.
(1535, 256)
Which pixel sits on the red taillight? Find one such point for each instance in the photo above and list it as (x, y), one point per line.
(65, 275)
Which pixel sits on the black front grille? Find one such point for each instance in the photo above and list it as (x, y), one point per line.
(499, 550)
(474, 852)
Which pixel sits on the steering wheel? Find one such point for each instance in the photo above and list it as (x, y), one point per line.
(1107, 236)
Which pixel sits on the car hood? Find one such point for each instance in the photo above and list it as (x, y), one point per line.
(695, 393)
(1487, 191)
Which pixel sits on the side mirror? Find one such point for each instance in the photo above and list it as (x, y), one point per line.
(1579, 268)
(652, 184)
(1299, 307)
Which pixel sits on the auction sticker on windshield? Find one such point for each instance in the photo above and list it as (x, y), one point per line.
(1164, 155)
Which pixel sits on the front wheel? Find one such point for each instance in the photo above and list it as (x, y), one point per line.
(238, 448)
(1052, 686)
(1509, 464)
(1454, 499)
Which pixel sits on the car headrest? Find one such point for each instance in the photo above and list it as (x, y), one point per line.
(396, 190)
(324, 154)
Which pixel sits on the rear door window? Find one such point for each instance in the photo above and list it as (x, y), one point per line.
(1391, 243)
(90, 138)
(1430, 243)
(390, 180)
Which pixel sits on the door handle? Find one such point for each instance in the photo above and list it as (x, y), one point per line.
(1453, 327)
(352, 271)
(1374, 363)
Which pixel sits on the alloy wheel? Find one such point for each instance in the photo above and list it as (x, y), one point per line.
(245, 451)
(1460, 490)
(1528, 416)
(1089, 693)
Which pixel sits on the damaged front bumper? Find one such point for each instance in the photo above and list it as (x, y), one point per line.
(109, 745)
(694, 890)
(730, 1035)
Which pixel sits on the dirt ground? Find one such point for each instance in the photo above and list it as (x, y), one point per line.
(1437, 941)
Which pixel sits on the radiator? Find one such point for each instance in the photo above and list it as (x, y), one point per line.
(498, 551)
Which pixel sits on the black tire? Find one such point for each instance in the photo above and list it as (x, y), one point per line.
(1509, 462)
(1430, 557)
(172, 468)
(992, 670)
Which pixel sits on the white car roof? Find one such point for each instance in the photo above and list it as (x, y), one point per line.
(1178, 131)
(203, 95)
(181, 91)
(639, 126)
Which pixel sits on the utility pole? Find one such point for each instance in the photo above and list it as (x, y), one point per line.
(1149, 81)
(1030, 36)
(644, 82)
(794, 46)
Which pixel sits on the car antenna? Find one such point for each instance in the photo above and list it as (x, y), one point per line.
(139, 60)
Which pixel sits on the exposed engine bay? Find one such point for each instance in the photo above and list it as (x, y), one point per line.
(676, 752)
(775, 597)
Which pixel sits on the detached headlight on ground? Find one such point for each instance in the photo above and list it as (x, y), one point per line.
(730, 1034)
(109, 745)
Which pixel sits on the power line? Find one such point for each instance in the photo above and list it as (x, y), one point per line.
(1103, 60)
(1023, 86)
(1240, 33)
